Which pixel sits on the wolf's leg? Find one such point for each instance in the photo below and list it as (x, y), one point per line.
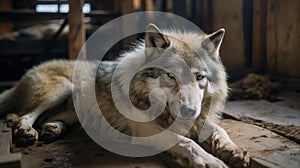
(57, 124)
(220, 144)
(185, 150)
(24, 134)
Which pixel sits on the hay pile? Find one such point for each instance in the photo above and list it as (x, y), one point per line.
(254, 87)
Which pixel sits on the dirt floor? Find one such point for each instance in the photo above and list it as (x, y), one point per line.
(269, 131)
(76, 149)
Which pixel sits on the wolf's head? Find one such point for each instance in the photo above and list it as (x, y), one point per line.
(188, 69)
(177, 70)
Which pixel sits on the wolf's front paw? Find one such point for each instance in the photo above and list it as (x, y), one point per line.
(25, 136)
(13, 120)
(51, 132)
(235, 156)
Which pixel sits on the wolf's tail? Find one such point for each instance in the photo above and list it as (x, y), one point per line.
(8, 102)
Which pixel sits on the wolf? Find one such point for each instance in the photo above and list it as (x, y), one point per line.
(191, 85)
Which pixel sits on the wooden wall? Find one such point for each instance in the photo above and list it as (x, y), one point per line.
(273, 39)
(229, 15)
(210, 16)
(283, 37)
(276, 38)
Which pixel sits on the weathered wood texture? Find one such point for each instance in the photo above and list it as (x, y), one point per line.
(259, 58)
(267, 149)
(5, 139)
(77, 29)
(7, 160)
(281, 117)
(127, 7)
(229, 14)
(264, 111)
(283, 37)
(11, 160)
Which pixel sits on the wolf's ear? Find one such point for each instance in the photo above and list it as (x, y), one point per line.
(155, 40)
(213, 41)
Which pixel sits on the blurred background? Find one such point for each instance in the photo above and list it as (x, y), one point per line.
(261, 53)
(262, 36)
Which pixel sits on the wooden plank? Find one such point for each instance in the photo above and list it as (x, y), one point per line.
(283, 35)
(264, 111)
(127, 7)
(266, 148)
(282, 119)
(179, 8)
(207, 13)
(229, 14)
(5, 139)
(77, 29)
(11, 160)
(288, 20)
(7, 160)
(259, 48)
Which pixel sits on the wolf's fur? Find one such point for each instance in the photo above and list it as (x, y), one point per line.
(44, 96)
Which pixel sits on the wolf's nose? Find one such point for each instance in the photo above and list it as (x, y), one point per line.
(187, 111)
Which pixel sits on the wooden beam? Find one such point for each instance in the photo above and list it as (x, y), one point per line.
(259, 46)
(11, 160)
(127, 7)
(6, 139)
(9, 25)
(207, 14)
(7, 159)
(77, 28)
(30, 15)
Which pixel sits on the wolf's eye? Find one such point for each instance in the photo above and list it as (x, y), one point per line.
(200, 77)
(171, 76)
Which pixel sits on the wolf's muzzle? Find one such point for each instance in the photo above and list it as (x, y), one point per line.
(187, 111)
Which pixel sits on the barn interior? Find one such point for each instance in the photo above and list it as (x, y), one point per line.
(260, 52)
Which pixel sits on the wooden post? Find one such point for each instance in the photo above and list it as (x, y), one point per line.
(283, 34)
(127, 7)
(259, 46)
(229, 15)
(6, 26)
(77, 28)
(206, 15)
(179, 7)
